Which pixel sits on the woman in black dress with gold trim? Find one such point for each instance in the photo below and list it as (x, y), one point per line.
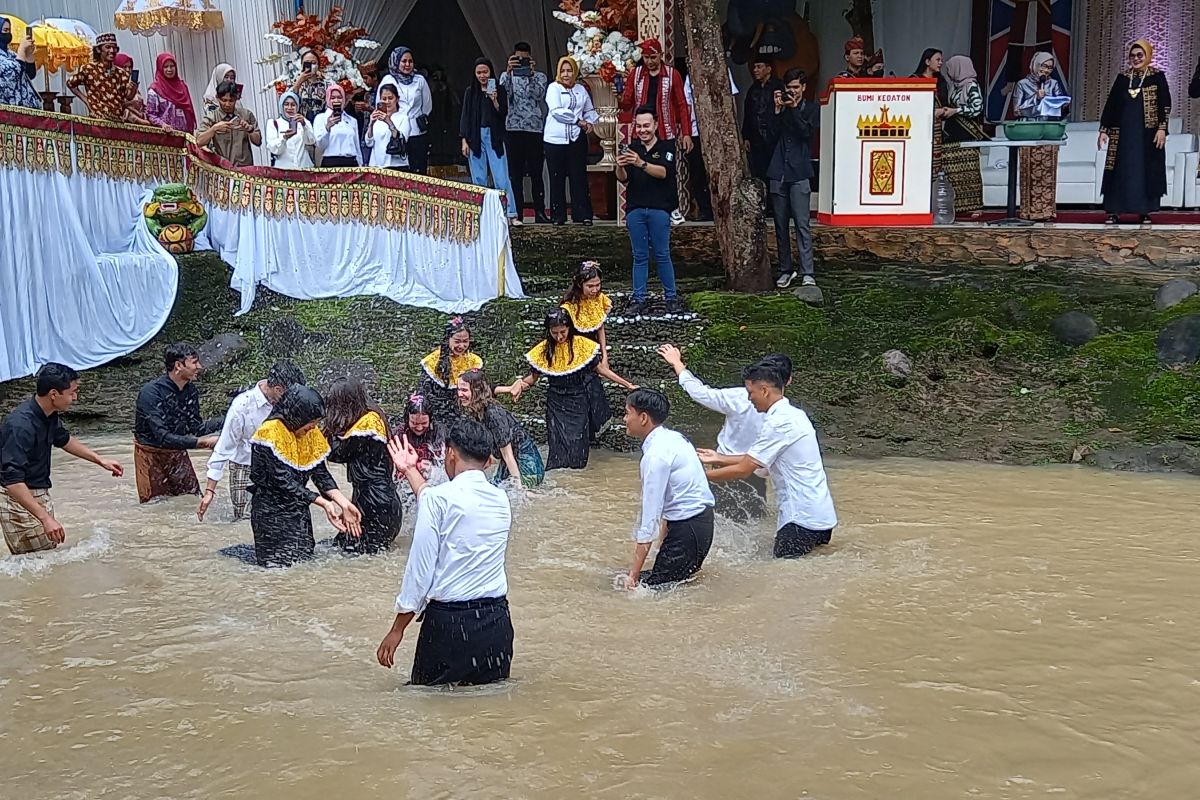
(441, 369)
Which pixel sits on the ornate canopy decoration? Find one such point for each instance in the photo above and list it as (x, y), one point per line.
(148, 17)
(57, 43)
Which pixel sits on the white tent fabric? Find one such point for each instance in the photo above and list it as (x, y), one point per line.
(82, 281)
(309, 259)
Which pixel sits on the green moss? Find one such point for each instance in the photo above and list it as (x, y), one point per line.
(1188, 306)
(1117, 352)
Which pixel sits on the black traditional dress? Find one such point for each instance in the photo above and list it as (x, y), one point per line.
(281, 466)
(1135, 171)
(442, 396)
(363, 449)
(589, 318)
(576, 408)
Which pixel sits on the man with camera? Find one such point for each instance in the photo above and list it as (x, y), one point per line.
(526, 89)
(647, 167)
(789, 171)
(229, 129)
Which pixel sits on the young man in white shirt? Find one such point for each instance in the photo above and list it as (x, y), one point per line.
(454, 579)
(676, 499)
(787, 448)
(247, 412)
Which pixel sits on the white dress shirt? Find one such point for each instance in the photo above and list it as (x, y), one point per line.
(788, 448)
(564, 109)
(248, 411)
(340, 141)
(290, 153)
(691, 101)
(414, 99)
(458, 544)
(742, 420)
(378, 136)
(674, 486)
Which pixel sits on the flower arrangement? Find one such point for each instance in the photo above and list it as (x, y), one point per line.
(604, 38)
(329, 39)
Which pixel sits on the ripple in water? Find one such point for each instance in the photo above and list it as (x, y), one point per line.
(37, 563)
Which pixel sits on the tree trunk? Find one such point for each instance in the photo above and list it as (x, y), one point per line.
(737, 199)
(862, 24)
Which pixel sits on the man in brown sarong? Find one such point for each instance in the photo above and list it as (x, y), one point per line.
(168, 424)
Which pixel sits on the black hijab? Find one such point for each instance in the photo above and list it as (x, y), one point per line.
(478, 112)
(299, 406)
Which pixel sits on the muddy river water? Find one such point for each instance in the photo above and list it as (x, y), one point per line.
(973, 631)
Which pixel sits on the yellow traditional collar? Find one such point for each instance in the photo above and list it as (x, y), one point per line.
(303, 453)
(369, 425)
(458, 365)
(590, 314)
(586, 351)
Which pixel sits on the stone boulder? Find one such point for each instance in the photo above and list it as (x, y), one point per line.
(1178, 343)
(897, 364)
(1074, 328)
(221, 351)
(283, 338)
(1174, 292)
(811, 295)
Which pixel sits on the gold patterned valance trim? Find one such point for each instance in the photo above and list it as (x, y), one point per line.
(162, 19)
(35, 151)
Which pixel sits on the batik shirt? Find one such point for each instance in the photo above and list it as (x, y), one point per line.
(107, 89)
(526, 101)
(15, 89)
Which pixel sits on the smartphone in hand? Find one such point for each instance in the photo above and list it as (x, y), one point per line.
(133, 77)
(491, 85)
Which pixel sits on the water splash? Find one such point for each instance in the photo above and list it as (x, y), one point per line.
(36, 563)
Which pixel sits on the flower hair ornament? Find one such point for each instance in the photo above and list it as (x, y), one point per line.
(416, 399)
(590, 265)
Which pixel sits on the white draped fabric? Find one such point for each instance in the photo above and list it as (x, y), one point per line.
(309, 259)
(499, 24)
(82, 280)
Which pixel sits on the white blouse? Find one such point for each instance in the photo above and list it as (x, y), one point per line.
(341, 141)
(414, 100)
(378, 136)
(565, 108)
(290, 153)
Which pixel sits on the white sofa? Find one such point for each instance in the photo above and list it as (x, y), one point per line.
(1081, 167)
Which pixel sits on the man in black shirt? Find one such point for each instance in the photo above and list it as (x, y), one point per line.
(788, 174)
(28, 433)
(168, 424)
(757, 113)
(647, 166)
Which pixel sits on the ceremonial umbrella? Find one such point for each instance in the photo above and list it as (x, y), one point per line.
(55, 46)
(148, 17)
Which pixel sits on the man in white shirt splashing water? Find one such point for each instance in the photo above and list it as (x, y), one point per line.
(455, 582)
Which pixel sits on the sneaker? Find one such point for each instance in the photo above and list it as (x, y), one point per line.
(516, 221)
(785, 280)
(675, 306)
(677, 217)
(809, 280)
(635, 308)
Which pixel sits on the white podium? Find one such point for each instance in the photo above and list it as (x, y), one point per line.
(877, 152)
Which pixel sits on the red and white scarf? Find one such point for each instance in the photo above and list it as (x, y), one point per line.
(666, 120)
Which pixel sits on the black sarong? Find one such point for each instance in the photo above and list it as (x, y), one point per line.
(793, 541)
(465, 643)
(683, 550)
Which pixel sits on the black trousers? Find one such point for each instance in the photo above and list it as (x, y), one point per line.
(464, 644)
(339, 161)
(526, 157)
(418, 154)
(699, 180)
(793, 541)
(568, 162)
(683, 550)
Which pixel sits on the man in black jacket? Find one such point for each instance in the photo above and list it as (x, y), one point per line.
(791, 129)
(756, 115)
(1194, 86)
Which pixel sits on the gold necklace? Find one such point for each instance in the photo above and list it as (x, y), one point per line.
(1134, 91)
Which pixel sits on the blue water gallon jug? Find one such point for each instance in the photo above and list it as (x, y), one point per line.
(943, 200)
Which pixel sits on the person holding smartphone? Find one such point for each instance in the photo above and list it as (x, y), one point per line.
(310, 85)
(526, 119)
(16, 71)
(290, 136)
(482, 128)
(789, 172)
(336, 129)
(229, 129)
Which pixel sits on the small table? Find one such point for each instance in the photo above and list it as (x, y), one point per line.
(1014, 145)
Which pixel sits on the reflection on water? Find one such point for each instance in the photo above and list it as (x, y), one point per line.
(972, 631)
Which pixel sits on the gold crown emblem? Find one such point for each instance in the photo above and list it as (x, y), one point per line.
(883, 126)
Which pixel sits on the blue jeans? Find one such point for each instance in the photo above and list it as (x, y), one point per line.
(650, 229)
(499, 165)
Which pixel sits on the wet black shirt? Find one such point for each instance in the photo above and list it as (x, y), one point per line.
(645, 191)
(504, 429)
(25, 441)
(168, 417)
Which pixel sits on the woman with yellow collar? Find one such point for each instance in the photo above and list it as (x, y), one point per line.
(576, 408)
(286, 452)
(358, 433)
(588, 306)
(441, 369)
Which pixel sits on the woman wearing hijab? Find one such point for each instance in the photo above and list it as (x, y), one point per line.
(966, 125)
(168, 100)
(414, 100)
(482, 129)
(135, 106)
(223, 73)
(17, 71)
(337, 131)
(289, 136)
(1134, 126)
(930, 66)
(1039, 165)
(569, 118)
(286, 452)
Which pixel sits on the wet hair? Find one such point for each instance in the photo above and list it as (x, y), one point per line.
(55, 377)
(443, 365)
(781, 363)
(284, 374)
(764, 372)
(417, 404)
(180, 351)
(345, 404)
(646, 109)
(588, 270)
(929, 53)
(472, 440)
(227, 89)
(299, 406)
(795, 74)
(761, 59)
(557, 318)
(481, 393)
(522, 47)
(650, 402)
